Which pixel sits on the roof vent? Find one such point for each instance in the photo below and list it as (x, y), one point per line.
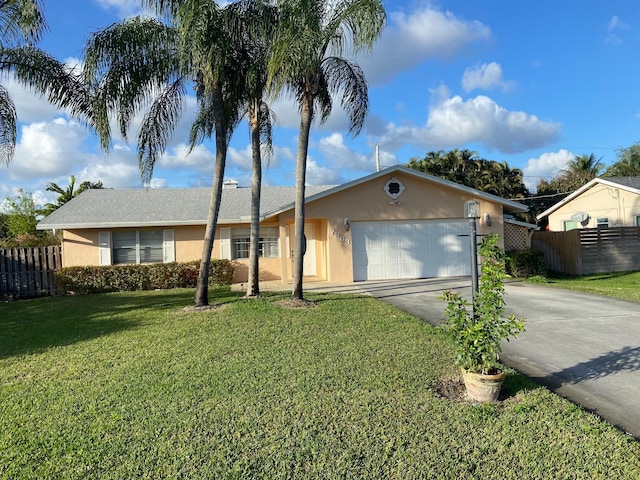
(229, 184)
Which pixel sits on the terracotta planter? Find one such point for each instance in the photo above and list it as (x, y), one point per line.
(482, 388)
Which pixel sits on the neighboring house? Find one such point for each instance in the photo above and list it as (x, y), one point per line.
(395, 223)
(600, 203)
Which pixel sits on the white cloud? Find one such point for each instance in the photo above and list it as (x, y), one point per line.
(614, 27)
(545, 166)
(453, 121)
(320, 175)
(424, 34)
(124, 8)
(48, 148)
(485, 76)
(339, 155)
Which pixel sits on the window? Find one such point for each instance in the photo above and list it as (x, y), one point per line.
(569, 225)
(136, 246)
(602, 222)
(637, 220)
(267, 245)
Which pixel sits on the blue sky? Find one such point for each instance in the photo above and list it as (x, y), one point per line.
(529, 83)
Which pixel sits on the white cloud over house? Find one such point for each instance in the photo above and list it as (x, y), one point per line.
(546, 166)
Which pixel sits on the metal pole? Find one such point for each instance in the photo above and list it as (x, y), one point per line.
(474, 258)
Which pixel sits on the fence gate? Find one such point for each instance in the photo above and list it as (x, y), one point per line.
(28, 272)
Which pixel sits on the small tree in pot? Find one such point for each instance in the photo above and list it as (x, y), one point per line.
(478, 333)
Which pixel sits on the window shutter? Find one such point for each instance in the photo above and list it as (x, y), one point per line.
(225, 243)
(168, 247)
(104, 248)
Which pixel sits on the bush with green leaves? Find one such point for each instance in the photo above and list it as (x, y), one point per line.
(478, 332)
(154, 276)
(525, 263)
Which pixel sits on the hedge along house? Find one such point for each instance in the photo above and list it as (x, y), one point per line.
(396, 223)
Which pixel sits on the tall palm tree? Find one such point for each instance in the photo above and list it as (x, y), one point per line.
(22, 24)
(258, 22)
(307, 61)
(143, 59)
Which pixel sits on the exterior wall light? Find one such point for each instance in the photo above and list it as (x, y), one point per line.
(472, 209)
(347, 224)
(487, 219)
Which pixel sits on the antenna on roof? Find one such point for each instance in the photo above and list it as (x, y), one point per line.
(377, 158)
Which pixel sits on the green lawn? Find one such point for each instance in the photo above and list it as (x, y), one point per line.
(624, 285)
(131, 386)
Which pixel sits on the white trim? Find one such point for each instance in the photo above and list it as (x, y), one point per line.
(168, 246)
(104, 248)
(225, 243)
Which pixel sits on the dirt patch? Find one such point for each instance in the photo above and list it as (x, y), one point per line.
(295, 303)
(451, 388)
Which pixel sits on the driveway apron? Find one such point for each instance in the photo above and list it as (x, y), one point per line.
(583, 347)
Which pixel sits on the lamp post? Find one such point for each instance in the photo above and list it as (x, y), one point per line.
(472, 212)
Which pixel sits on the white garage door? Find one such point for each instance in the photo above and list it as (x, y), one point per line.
(419, 249)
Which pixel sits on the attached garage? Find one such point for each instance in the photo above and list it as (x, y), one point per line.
(410, 249)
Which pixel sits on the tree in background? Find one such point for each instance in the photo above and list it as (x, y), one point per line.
(20, 220)
(628, 164)
(66, 194)
(22, 214)
(308, 61)
(466, 168)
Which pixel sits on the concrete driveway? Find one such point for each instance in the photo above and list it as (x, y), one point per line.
(584, 347)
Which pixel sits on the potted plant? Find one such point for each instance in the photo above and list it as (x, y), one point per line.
(478, 332)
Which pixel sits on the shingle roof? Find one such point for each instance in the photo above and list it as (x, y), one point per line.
(633, 182)
(108, 208)
(103, 208)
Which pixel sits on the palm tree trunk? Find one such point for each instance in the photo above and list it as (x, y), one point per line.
(306, 117)
(253, 287)
(202, 286)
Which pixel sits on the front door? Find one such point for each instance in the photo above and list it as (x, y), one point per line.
(309, 259)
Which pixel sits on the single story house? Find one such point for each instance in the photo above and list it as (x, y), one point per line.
(600, 203)
(392, 224)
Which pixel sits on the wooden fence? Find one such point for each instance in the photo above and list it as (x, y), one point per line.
(28, 272)
(590, 250)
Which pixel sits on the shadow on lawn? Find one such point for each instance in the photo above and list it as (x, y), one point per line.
(32, 326)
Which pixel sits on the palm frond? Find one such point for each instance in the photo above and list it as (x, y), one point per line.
(8, 128)
(157, 127)
(21, 22)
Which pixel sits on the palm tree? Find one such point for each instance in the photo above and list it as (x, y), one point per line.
(587, 164)
(22, 23)
(258, 23)
(142, 59)
(66, 194)
(307, 61)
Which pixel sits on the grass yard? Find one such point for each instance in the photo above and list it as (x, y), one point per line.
(132, 386)
(624, 285)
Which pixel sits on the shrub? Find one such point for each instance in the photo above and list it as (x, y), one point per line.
(525, 263)
(29, 240)
(115, 278)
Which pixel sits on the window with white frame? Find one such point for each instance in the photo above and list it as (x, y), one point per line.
(569, 225)
(637, 220)
(267, 244)
(136, 246)
(602, 222)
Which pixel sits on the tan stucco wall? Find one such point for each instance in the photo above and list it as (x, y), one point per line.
(79, 248)
(619, 206)
(368, 202)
